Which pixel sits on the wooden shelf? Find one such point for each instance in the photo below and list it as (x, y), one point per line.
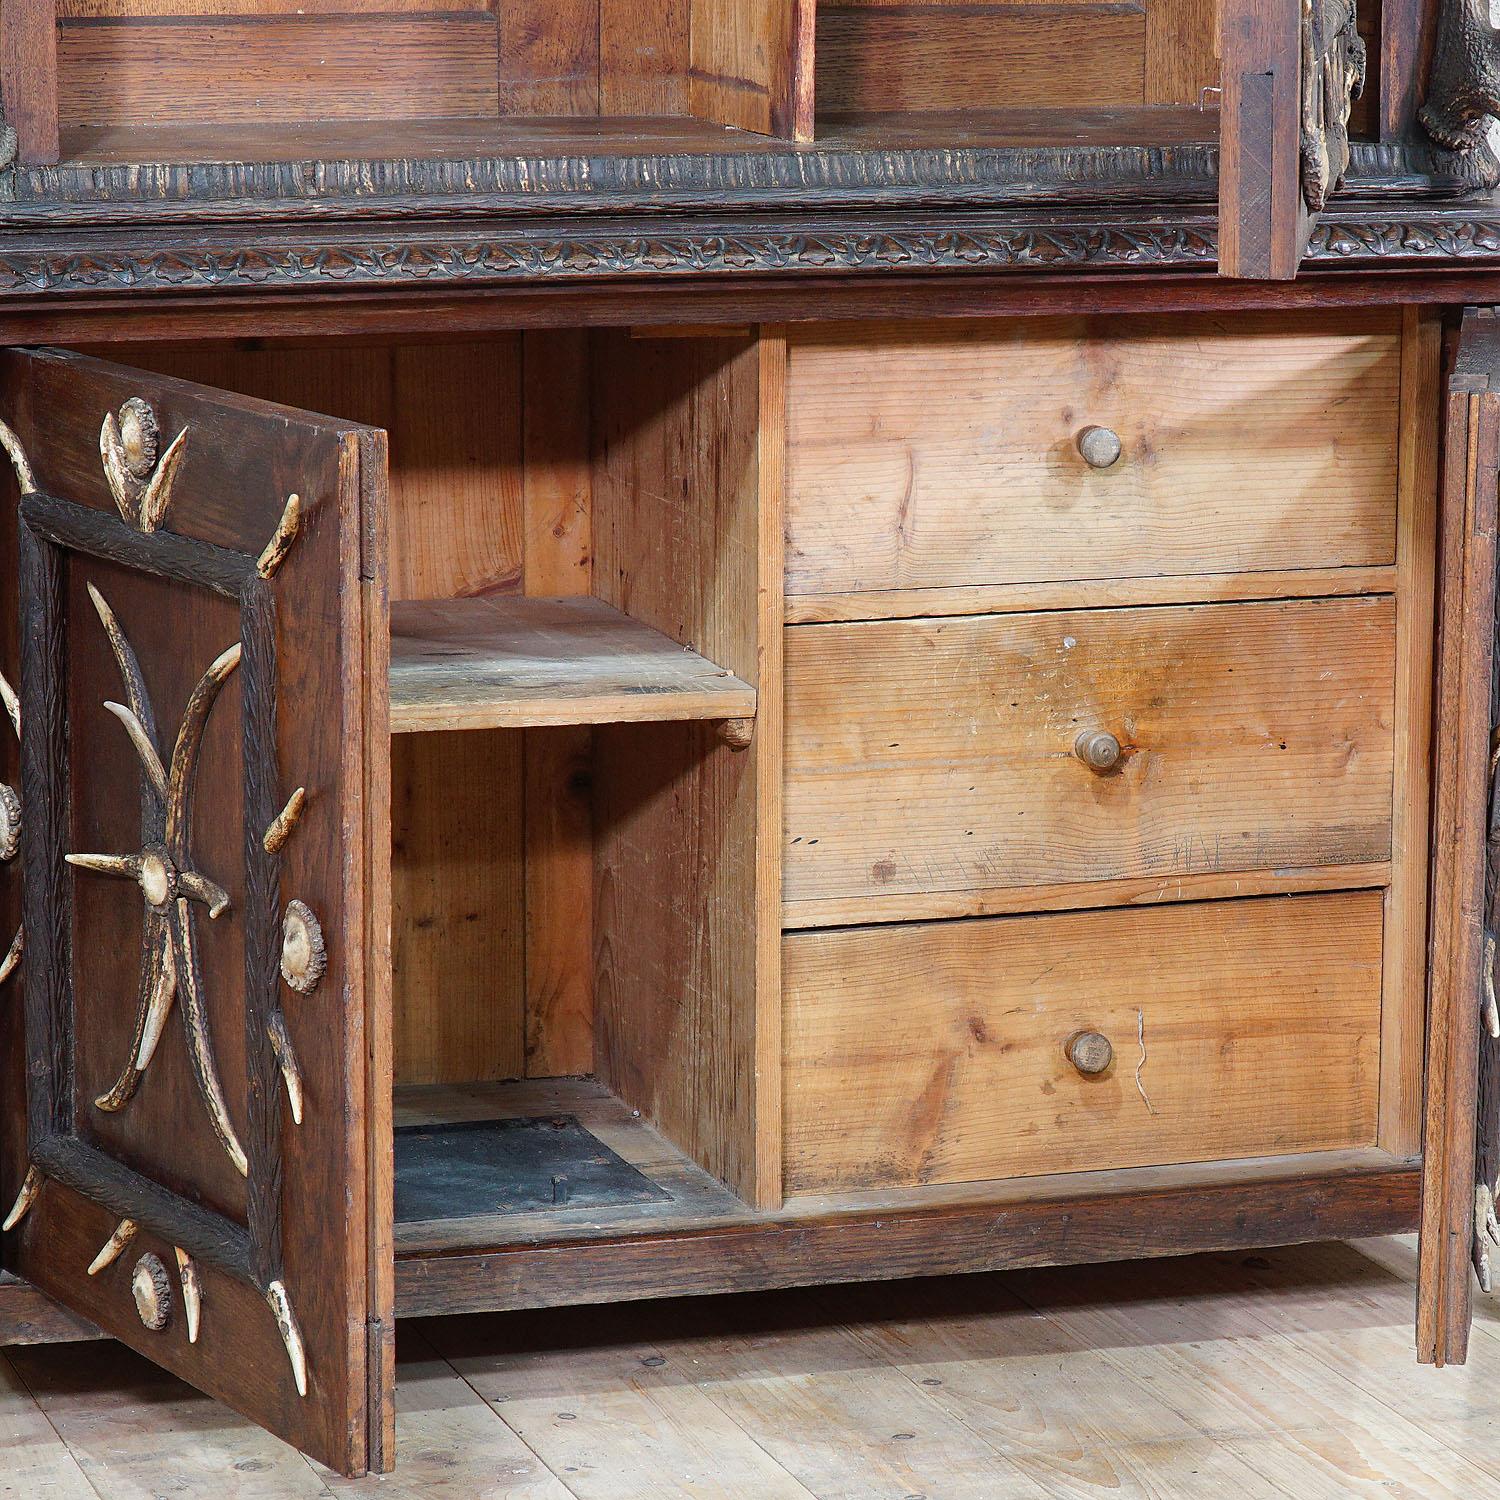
(513, 663)
(700, 1238)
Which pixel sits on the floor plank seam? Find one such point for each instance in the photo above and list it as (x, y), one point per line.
(46, 1416)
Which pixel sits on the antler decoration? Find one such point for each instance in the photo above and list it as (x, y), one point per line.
(1463, 91)
(141, 485)
(163, 869)
(10, 803)
(10, 826)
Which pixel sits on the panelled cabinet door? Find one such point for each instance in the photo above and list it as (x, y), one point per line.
(201, 690)
(1459, 1177)
(1290, 71)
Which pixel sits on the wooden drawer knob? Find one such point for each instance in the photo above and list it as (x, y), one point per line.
(1090, 1052)
(1097, 749)
(1100, 447)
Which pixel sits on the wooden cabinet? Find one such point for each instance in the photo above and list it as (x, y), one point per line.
(614, 815)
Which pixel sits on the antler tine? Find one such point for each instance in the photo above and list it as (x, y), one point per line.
(116, 468)
(285, 822)
(201, 888)
(123, 866)
(25, 479)
(12, 958)
(291, 1335)
(200, 1046)
(130, 667)
(150, 760)
(114, 1246)
(190, 738)
(192, 1292)
(156, 499)
(12, 703)
(24, 1199)
(281, 543)
(155, 990)
(286, 1059)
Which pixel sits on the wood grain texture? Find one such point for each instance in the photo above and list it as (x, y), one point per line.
(937, 756)
(454, 414)
(740, 61)
(28, 1316)
(286, 68)
(457, 899)
(1404, 51)
(917, 57)
(28, 78)
(680, 524)
(936, 1053)
(549, 57)
(558, 559)
(1181, 50)
(944, 455)
(1406, 920)
(643, 57)
(512, 662)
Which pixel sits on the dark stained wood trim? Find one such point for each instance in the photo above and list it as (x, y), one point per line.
(578, 182)
(262, 922)
(102, 1180)
(701, 186)
(47, 899)
(164, 553)
(432, 260)
(1227, 1214)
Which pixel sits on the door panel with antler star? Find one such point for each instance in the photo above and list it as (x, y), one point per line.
(196, 692)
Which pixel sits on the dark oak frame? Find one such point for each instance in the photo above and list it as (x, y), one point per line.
(51, 528)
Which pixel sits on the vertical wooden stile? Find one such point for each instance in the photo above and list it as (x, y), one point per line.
(28, 78)
(685, 985)
(1404, 982)
(1466, 584)
(1263, 222)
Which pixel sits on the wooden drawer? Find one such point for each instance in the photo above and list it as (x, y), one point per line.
(941, 457)
(930, 764)
(935, 1052)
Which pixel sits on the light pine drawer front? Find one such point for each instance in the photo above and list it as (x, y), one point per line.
(943, 456)
(930, 762)
(936, 1052)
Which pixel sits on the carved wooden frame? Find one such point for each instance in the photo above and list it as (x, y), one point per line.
(50, 528)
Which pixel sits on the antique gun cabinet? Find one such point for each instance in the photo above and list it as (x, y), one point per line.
(702, 646)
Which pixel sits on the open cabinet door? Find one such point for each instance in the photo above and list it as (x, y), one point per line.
(1291, 70)
(1462, 1023)
(202, 696)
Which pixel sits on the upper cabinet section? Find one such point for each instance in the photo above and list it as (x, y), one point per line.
(718, 108)
(99, 81)
(274, 71)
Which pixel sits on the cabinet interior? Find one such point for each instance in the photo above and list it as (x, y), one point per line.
(601, 544)
(165, 81)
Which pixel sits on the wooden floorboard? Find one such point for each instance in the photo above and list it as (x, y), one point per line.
(1264, 1373)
